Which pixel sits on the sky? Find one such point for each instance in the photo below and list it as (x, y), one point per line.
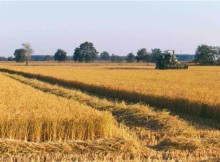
(116, 27)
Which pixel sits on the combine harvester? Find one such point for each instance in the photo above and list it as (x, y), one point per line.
(168, 60)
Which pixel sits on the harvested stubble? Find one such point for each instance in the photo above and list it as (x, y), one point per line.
(29, 114)
(172, 136)
(73, 150)
(194, 91)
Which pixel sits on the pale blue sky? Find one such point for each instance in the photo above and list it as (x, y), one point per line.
(117, 27)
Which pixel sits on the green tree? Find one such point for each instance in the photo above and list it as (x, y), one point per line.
(204, 54)
(77, 56)
(28, 52)
(116, 58)
(155, 54)
(60, 55)
(142, 55)
(105, 56)
(130, 57)
(85, 52)
(19, 55)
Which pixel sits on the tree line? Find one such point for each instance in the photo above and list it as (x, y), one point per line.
(207, 55)
(86, 52)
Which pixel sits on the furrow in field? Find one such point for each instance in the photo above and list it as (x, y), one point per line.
(156, 129)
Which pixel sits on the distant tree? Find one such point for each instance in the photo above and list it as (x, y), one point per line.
(77, 56)
(47, 58)
(155, 54)
(218, 61)
(28, 52)
(85, 52)
(204, 54)
(19, 55)
(116, 58)
(3, 59)
(142, 55)
(60, 55)
(130, 57)
(105, 56)
(10, 58)
(113, 58)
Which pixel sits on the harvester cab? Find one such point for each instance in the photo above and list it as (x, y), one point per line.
(168, 60)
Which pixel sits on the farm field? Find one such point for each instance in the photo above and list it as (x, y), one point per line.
(194, 91)
(109, 112)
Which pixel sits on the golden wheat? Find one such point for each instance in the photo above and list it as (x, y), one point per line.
(169, 137)
(155, 129)
(29, 114)
(194, 91)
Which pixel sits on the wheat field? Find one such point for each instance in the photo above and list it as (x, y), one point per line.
(28, 114)
(57, 113)
(194, 91)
